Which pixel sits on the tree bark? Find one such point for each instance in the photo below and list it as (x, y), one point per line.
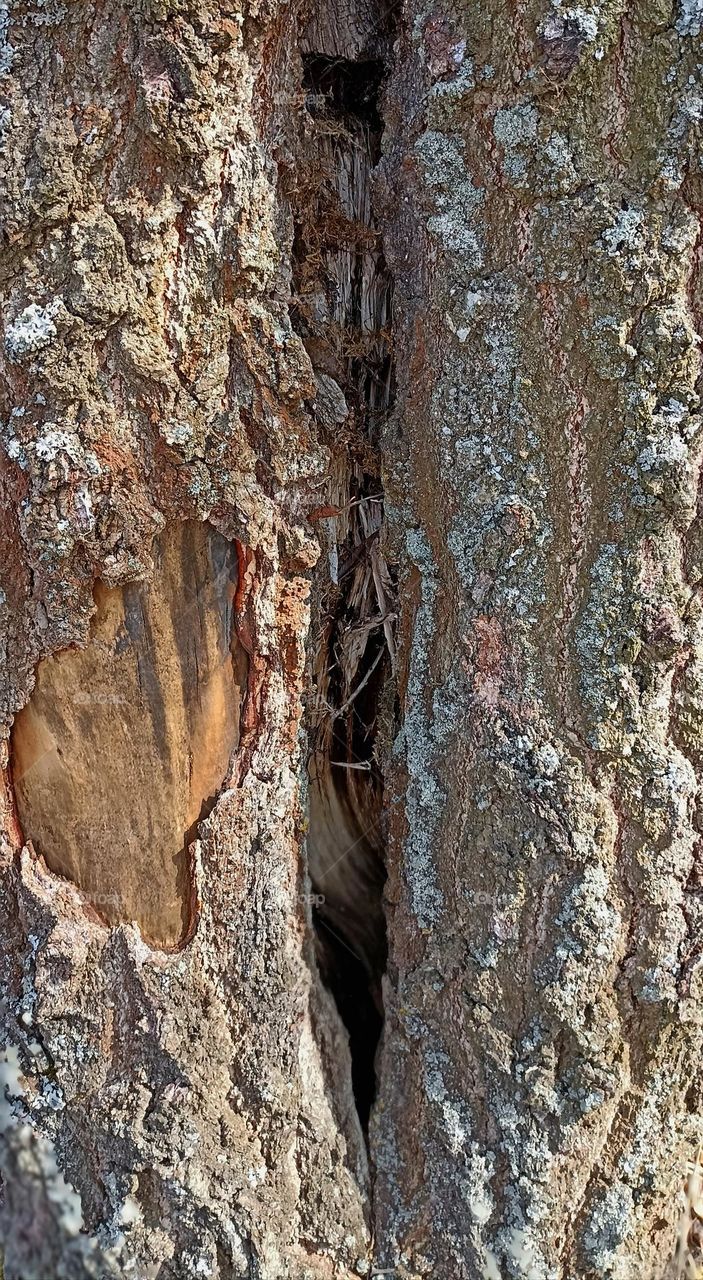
(353, 653)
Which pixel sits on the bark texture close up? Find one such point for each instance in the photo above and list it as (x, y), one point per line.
(351, 896)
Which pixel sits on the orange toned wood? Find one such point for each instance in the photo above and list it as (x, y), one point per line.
(124, 744)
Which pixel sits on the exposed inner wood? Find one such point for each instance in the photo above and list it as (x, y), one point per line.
(125, 743)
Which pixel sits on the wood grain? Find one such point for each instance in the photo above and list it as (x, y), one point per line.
(124, 744)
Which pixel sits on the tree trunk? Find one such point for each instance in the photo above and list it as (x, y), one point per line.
(353, 683)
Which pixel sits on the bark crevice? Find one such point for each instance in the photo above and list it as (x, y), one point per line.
(341, 308)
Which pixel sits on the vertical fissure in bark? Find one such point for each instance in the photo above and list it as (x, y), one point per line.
(342, 302)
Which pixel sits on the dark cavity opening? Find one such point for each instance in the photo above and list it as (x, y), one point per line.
(347, 865)
(342, 87)
(361, 1011)
(342, 311)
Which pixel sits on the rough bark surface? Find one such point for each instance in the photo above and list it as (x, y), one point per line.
(198, 1101)
(542, 191)
(173, 352)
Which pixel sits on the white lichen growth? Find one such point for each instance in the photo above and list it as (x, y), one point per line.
(626, 234)
(425, 798)
(7, 52)
(608, 1227)
(513, 126)
(31, 331)
(690, 19)
(515, 129)
(456, 199)
(179, 434)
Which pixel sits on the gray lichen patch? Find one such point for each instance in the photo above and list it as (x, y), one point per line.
(31, 330)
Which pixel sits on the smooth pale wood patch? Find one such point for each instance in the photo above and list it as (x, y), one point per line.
(124, 744)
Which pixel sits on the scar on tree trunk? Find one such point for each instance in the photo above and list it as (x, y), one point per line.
(125, 743)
